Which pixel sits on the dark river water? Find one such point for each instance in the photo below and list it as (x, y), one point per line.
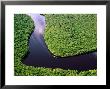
(40, 56)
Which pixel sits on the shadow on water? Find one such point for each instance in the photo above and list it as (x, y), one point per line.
(40, 56)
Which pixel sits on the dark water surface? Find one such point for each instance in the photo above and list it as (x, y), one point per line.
(40, 56)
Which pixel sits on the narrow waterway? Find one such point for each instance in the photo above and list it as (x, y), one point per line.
(40, 56)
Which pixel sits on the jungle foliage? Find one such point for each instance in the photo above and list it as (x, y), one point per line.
(71, 34)
(23, 27)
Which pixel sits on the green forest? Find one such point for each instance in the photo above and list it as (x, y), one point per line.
(24, 26)
(71, 34)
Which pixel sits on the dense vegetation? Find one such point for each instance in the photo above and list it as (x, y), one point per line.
(23, 27)
(71, 34)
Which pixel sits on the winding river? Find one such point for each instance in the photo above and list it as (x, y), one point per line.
(40, 56)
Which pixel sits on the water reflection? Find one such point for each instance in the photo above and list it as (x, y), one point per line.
(40, 56)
